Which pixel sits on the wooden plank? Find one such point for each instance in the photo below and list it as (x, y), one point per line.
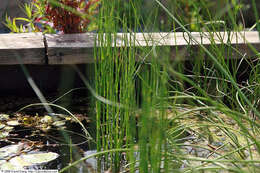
(70, 48)
(27, 48)
(154, 39)
(183, 39)
(78, 48)
(235, 43)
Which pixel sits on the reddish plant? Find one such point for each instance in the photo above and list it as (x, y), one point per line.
(69, 16)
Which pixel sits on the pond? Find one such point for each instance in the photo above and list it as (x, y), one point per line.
(35, 140)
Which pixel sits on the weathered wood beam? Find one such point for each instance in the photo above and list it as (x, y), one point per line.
(35, 48)
(70, 48)
(78, 48)
(184, 39)
(26, 48)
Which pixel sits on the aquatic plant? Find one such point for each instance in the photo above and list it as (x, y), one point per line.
(162, 115)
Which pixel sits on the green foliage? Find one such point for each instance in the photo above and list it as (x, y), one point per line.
(152, 112)
(154, 121)
(51, 16)
(32, 12)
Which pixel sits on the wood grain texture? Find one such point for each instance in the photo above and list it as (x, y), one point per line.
(205, 38)
(70, 48)
(153, 39)
(79, 48)
(27, 48)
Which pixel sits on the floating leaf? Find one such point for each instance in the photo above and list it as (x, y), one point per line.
(3, 135)
(4, 117)
(26, 160)
(18, 161)
(10, 150)
(2, 126)
(8, 128)
(47, 119)
(4, 165)
(45, 127)
(59, 123)
(13, 123)
(39, 158)
(68, 118)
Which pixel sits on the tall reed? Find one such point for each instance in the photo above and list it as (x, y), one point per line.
(114, 70)
(149, 90)
(151, 106)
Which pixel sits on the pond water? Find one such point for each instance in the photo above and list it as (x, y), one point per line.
(33, 131)
(23, 135)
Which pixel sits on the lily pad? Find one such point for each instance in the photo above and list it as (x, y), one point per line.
(26, 160)
(39, 158)
(4, 165)
(3, 135)
(4, 117)
(10, 150)
(19, 162)
(8, 128)
(2, 126)
(13, 123)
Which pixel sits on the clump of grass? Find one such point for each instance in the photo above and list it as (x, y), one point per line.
(154, 139)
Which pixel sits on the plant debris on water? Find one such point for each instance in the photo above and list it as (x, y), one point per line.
(30, 137)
